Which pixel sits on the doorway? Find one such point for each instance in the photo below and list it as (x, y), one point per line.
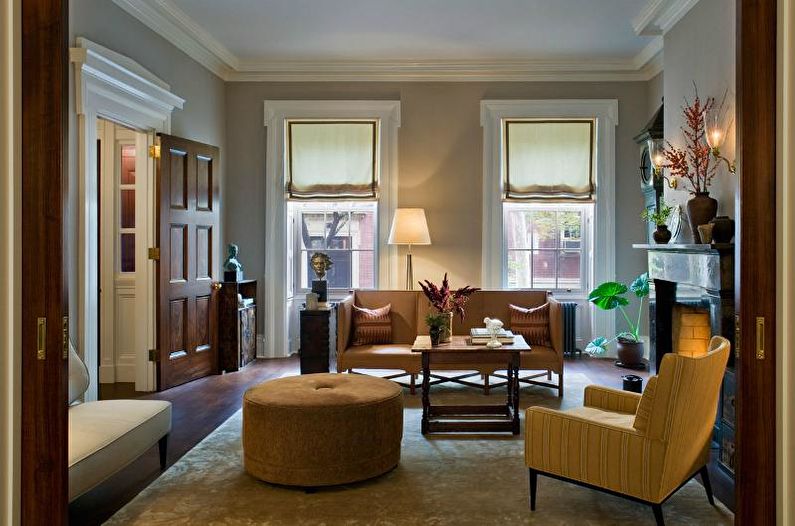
(124, 218)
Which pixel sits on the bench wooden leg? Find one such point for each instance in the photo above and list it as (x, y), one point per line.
(162, 446)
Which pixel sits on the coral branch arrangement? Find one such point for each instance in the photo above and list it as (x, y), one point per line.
(694, 162)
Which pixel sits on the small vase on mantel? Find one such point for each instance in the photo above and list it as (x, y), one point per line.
(701, 209)
(662, 235)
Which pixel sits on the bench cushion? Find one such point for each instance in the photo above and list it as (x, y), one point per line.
(107, 435)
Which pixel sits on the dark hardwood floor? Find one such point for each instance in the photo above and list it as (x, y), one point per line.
(202, 405)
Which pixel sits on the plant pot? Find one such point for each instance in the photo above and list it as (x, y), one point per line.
(630, 354)
(662, 235)
(435, 333)
(701, 209)
(447, 330)
(722, 229)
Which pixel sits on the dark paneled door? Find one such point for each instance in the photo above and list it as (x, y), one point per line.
(188, 236)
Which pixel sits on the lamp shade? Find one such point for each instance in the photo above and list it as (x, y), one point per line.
(409, 227)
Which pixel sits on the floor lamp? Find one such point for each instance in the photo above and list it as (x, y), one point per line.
(409, 227)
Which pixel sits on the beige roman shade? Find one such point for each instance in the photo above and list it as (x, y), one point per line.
(332, 159)
(549, 160)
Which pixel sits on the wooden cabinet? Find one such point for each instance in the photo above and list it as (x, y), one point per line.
(318, 341)
(237, 324)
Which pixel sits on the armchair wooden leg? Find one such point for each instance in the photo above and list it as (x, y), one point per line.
(707, 486)
(533, 488)
(413, 384)
(658, 515)
(162, 446)
(560, 384)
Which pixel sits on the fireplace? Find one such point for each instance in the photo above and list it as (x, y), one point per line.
(692, 299)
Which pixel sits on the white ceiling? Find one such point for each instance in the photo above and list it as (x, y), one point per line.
(287, 30)
(416, 39)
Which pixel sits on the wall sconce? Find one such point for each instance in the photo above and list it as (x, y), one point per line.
(657, 159)
(716, 127)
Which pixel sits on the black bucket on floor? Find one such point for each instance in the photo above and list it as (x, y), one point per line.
(633, 382)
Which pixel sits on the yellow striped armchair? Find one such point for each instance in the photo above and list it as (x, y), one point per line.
(641, 447)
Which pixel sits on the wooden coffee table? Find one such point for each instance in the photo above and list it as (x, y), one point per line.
(461, 351)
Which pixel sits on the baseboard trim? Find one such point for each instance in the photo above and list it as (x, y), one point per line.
(107, 374)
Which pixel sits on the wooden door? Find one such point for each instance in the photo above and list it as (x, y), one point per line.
(43, 484)
(188, 236)
(756, 254)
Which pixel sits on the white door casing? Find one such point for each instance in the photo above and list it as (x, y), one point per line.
(114, 87)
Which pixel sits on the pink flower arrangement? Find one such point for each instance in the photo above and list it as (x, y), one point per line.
(446, 300)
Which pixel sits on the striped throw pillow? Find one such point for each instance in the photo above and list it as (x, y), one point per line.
(532, 324)
(372, 326)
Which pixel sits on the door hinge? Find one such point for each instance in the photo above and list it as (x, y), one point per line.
(154, 253)
(760, 338)
(737, 336)
(41, 339)
(65, 337)
(154, 355)
(154, 151)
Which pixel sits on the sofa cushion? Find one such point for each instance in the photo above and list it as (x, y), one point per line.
(403, 311)
(393, 356)
(372, 326)
(539, 358)
(605, 417)
(532, 323)
(78, 376)
(107, 435)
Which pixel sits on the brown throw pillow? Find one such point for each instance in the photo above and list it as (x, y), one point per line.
(372, 326)
(532, 323)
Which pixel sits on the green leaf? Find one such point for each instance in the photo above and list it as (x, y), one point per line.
(597, 346)
(641, 285)
(608, 295)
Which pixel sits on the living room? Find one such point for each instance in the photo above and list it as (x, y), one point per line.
(275, 214)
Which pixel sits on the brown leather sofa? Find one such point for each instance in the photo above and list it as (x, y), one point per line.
(408, 320)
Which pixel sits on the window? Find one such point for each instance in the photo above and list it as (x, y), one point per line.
(344, 230)
(126, 201)
(546, 246)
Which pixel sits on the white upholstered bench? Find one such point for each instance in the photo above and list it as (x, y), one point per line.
(105, 436)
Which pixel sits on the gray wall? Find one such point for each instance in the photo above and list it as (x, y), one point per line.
(700, 48)
(440, 163)
(203, 117)
(655, 93)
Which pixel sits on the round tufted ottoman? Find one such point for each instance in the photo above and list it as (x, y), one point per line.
(322, 429)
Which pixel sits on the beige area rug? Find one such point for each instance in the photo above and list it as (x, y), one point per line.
(446, 480)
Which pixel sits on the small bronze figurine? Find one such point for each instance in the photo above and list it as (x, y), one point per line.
(233, 269)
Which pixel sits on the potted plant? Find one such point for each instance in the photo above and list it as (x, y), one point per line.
(447, 301)
(436, 324)
(696, 163)
(659, 217)
(610, 296)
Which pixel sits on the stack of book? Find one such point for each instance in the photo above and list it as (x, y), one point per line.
(480, 335)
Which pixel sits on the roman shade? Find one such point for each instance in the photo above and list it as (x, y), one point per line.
(549, 160)
(332, 159)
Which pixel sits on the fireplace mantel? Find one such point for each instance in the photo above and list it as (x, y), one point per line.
(709, 267)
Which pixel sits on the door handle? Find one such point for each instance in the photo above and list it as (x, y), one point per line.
(215, 285)
(41, 339)
(760, 338)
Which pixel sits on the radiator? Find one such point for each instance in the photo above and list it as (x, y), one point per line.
(570, 328)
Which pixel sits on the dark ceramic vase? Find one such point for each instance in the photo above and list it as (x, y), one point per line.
(630, 354)
(662, 235)
(701, 209)
(722, 229)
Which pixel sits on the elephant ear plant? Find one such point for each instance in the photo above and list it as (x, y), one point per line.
(610, 296)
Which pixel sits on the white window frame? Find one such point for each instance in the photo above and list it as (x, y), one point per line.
(586, 248)
(605, 112)
(278, 298)
(296, 207)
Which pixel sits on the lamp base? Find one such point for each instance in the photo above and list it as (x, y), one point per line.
(409, 273)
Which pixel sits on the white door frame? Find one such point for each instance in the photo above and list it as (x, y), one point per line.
(111, 86)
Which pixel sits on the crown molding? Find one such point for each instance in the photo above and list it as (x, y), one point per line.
(658, 16)
(173, 24)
